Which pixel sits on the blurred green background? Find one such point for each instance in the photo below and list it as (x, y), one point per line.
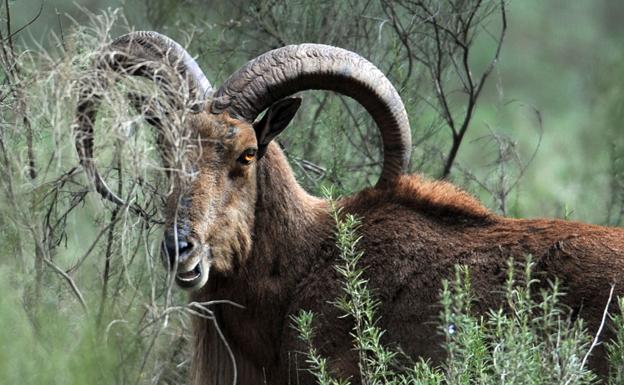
(561, 58)
(546, 141)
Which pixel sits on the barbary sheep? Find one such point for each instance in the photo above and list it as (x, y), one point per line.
(241, 228)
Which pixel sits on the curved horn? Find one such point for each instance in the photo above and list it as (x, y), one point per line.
(141, 53)
(285, 71)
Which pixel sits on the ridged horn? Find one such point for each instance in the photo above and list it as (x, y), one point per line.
(142, 53)
(285, 71)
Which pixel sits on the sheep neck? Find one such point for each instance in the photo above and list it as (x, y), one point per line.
(290, 227)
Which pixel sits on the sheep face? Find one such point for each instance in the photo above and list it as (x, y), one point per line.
(210, 211)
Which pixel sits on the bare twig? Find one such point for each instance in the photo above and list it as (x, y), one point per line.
(10, 36)
(70, 281)
(473, 91)
(605, 313)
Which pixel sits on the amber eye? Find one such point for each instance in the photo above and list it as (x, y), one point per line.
(247, 156)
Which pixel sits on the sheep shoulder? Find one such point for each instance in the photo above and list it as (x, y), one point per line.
(416, 193)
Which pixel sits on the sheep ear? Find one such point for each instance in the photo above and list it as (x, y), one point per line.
(274, 121)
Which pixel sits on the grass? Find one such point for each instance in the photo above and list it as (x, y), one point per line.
(52, 346)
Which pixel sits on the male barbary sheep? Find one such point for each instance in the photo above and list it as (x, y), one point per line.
(240, 228)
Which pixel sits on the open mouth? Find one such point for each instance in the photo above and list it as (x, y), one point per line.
(190, 278)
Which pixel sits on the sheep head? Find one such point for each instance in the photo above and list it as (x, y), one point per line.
(210, 210)
(210, 213)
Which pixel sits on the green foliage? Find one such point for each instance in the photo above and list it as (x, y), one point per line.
(302, 322)
(529, 341)
(52, 346)
(615, 348)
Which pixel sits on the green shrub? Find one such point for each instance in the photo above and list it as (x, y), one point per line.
(615, 348)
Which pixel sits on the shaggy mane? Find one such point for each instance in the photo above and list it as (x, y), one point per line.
(439, 198)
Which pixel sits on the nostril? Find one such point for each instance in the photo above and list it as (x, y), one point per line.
(180, 250)
(184, 248)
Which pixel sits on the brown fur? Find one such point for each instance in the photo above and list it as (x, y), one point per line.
(414, 232)
(220, 190)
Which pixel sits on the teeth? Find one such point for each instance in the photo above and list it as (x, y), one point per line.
(189, 275)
